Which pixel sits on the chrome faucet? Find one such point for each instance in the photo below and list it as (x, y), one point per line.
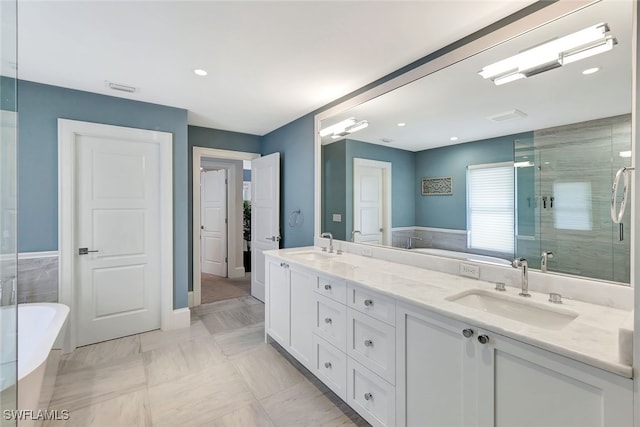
(353, 235)
(330, 236)
(521, 262)
(546, 256)
(411, 239)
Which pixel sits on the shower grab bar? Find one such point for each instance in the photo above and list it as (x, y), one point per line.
(616, 216)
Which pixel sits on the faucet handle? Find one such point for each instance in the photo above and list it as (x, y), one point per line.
(555, 298)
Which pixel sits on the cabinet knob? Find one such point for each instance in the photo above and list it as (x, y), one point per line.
(368, 302)
(327, 287)
(368, 343)
(483, 339)
(368, 396)
(282, 264)
(327, 365)
(468, 333)
(327, 320)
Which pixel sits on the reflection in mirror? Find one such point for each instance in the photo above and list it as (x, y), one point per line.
(460, 165)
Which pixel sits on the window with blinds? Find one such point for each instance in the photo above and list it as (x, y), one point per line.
(490, 207)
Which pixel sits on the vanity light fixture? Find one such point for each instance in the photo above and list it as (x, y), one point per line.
(553, 54)
(591, 71)
(344, 128)
(200, 72)
(453, 138)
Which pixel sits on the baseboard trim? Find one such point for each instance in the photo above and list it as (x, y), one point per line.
(190, 299)
(181, 318)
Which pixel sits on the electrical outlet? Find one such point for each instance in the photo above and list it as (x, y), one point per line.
(366, 252)
(469, 270)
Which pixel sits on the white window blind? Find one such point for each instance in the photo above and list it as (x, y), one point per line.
(490, 207)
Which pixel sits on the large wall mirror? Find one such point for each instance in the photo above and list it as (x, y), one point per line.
(508, 153)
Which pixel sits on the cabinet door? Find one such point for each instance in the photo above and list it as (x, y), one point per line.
(529, 386)
(278, 307)
(436, 371)
(303, 284)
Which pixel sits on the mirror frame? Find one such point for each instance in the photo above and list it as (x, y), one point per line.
(449, 56)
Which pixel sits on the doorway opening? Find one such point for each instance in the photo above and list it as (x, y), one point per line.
(221, 195)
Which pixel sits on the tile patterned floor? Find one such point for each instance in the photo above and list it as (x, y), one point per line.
(219, 372)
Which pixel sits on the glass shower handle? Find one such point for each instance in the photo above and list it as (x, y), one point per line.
(617, 214)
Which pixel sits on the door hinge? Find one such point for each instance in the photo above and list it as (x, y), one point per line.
(226, 181)
(226, 220)
(225, 259)
(202, 227)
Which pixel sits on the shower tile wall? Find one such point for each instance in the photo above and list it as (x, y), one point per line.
(38, 279)
(585, 156)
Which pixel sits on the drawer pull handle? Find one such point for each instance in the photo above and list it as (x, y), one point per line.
(327, 287)
(468, 333)
(368, 396)
(327, 320)
(483, 339)
(368, 302)
(327, 365)
(368, 343)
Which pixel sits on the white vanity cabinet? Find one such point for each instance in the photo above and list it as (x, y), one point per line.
(453, 374)
(289, 308)
(277, 301)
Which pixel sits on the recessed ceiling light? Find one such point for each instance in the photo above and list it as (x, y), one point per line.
(591, 70)
(402, 124)
(625, 154)
(200, 72)
(453, 138)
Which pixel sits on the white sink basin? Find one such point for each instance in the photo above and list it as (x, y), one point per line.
(312, 255)
(516, 308)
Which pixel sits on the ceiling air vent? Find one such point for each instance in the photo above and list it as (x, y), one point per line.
(121, 87)
(507, 115)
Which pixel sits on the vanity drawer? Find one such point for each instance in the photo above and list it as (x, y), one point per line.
(331, 288)
(371, 396)
(330, 365)
(331, 321)
(372, 343)
(373, 304)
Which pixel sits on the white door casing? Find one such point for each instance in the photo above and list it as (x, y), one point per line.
(265, 216)
(213, 222)
(371, 201)
(115, 196)
(232, 162)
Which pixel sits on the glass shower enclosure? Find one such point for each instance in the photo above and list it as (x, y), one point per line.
(564, 179)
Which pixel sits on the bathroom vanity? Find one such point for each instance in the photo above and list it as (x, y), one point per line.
(409, 346)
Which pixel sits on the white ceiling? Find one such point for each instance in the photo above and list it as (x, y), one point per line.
(268, 62)
(457, 102)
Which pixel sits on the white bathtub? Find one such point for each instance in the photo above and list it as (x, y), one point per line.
(41, 328)
(464, 256)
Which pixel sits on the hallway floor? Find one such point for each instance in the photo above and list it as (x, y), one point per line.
(215, 288)
(219, 372)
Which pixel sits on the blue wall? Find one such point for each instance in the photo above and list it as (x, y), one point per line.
(40, 106)
(222, 140)
(294, 142)
(451, 211)
(334, 190)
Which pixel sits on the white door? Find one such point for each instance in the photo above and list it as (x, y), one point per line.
(213, 218)
(371, 215)
(265, 216)
(117, 187)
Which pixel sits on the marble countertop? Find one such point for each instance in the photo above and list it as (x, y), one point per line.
(591, 338)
